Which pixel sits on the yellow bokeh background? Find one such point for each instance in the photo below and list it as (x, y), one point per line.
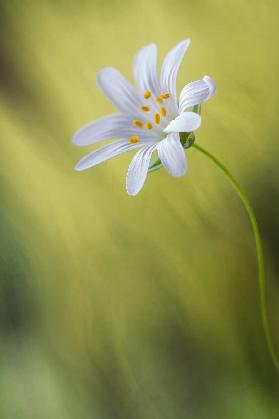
(135, 307)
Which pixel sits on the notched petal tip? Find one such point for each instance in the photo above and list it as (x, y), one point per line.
(182, 46)
(103, 73)
(76, 138)
(131, 192)
(105, 69)
(152, 45)
(108, 75)
(186, 41)
(145, 50)
(79, 167)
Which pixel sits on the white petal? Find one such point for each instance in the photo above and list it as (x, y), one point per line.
(138, 169)
(111, 126)
(172, 155)
(196, 93)
(185, 122)
(105, 153)
(119, 90)
(170, 68)
(193, 94)
(212, 86)
(145, 70)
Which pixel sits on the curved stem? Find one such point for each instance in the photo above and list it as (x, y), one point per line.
(261, 274)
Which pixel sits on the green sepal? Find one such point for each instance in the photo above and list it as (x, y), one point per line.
(187, 139)
(155, 165)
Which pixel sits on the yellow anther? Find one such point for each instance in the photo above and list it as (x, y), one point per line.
(159, 100)
(157, 118)
(138, 123)
(165, 96)
(134, 139)
(145, 108)
(148, 125)
(147, 94)
(163, 111)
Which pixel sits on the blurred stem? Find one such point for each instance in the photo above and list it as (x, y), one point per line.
(261, 274)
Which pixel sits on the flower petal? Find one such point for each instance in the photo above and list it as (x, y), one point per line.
(138, 169)
(192, 94)
(196, 92)
(212, 86)
(105, 153)
(119, 90)
(172, 155)
(170, 68)
(185, 122)
(110, 126)
(145, 70)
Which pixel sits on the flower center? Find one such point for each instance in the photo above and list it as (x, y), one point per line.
(156, 117)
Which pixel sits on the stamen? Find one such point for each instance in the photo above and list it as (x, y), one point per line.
(148, 125)
(147, 94)
(145, 108)
(165, 95)
(159, 100)
(138, 123)
(163, 111)
(157, 118)
(134, 139)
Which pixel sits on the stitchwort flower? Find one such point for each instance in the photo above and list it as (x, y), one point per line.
(150, 117)
(153, 120)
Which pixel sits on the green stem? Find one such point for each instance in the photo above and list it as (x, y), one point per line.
(261, 274)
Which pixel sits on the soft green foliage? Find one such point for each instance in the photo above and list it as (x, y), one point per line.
(146, 307)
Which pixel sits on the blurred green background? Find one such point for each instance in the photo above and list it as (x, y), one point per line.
(135, 308)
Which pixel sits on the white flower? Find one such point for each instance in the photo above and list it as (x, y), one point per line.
(150, 116)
